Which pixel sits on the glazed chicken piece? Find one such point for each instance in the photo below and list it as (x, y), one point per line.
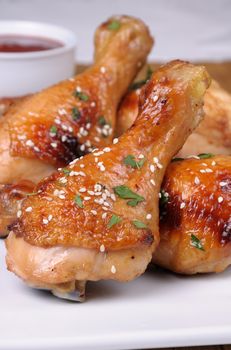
(195, 208)
(51, 128)
(212, 135)
(98, 218)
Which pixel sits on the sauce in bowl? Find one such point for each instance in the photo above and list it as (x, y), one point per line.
(23, 43)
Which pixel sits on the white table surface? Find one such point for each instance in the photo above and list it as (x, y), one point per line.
(186, 29)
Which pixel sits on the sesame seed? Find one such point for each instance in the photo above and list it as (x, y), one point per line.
(223, 183)
(113, 197)
(63, 180)
(152, 168)
(197, 180)
(160, 166)
(94, 212)
(115, 141)
(209, 170)
(106, 204)
(61, 196)
(88, 126)
(36, 149)
(103, 70)
(50, 217)
(21, 137)
(29, 209)
(148, 216)
(78, 89)
(202, 171)
(97, 139)
(30, 143)
(113, 269)
(155, 98)
(54, 144)
(182, 205)
(213, 163)
(141, 156)
(107, 149)
(92, 193)
(155, 160)
(98, 153)
(105, 208)
(152, 182)
(102, 248)
(87, 198)
(82, 147)
(57, 121)
(102, 168)
(81, 173)
(82, 189)
(93, 104)
(104, 215)
(45, 221)
(19, 213)
(220, 199)
(64, 127)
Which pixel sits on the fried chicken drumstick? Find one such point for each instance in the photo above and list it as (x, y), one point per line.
(98, 218)
(212, 135)
(53, 127)
(195, 224)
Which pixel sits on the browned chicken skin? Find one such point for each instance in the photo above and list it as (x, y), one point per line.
(67, 120)
(212, 135)
(195, 224)
(98, 218)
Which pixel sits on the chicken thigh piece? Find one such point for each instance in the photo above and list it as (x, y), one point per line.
(195, 208)
(67, 120)
(98, 218)
(212, 135)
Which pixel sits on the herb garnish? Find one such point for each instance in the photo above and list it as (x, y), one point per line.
(75, 113)
(195, 242)
(114, 220)
(78, 201)
(130, 160)
(81, 95)
(140, 83)
(114, 25)
(164, 197)
(102, 121)
(205, 155)
(32, 194)
(139, 224)
(53, 129)
(66, 171)
(177, 159)
(126, 193)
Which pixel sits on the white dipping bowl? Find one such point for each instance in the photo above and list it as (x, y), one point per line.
(22, 73)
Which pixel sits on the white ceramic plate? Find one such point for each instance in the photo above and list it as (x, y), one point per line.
(157, 310)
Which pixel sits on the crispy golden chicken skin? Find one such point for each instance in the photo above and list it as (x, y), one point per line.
(212, 135)
(71, 118)
(195, 224)
(51, 128)
(98, 218)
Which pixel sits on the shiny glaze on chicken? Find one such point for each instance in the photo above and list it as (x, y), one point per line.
(98, 217)
(67, 120)
(195, 209)
(71, 118)
(212, 135)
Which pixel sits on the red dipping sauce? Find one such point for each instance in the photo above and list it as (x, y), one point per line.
(23, 43)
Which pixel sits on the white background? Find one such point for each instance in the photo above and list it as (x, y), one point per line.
(186, 29)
